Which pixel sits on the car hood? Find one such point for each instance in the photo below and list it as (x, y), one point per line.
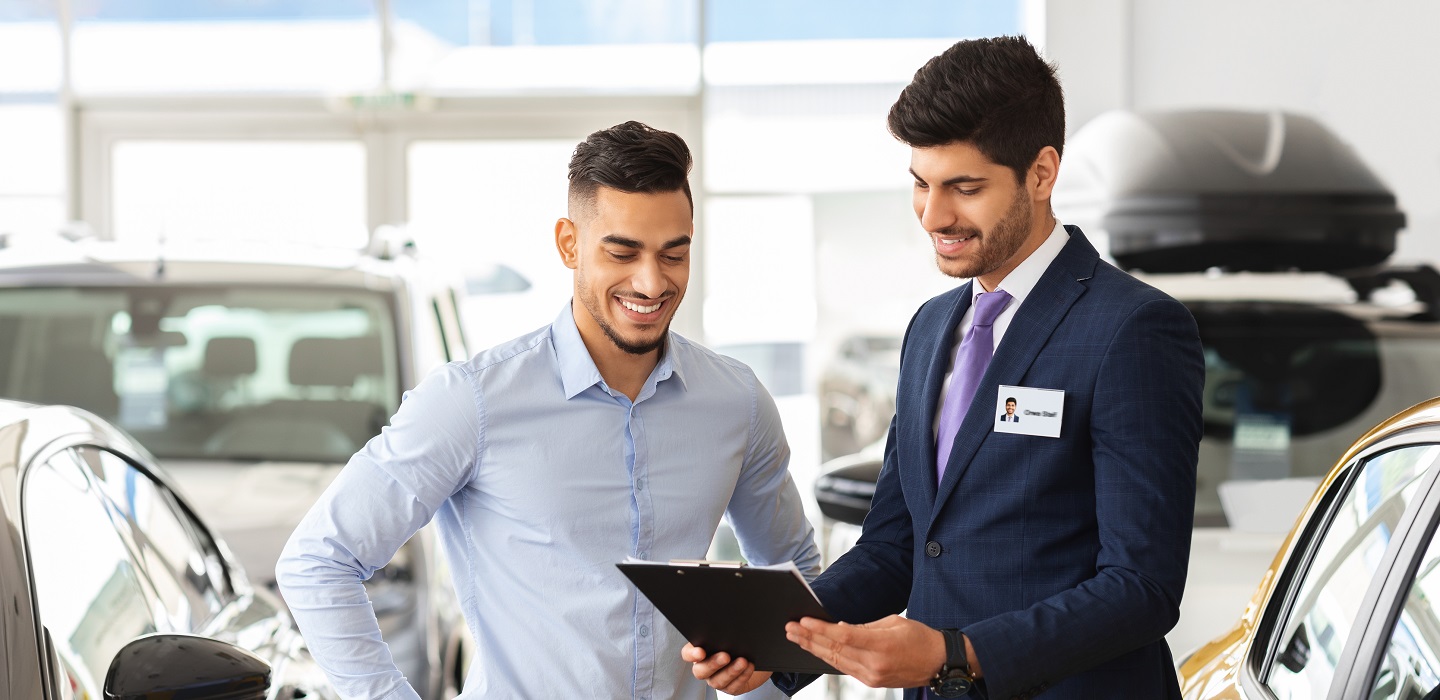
(254, 506)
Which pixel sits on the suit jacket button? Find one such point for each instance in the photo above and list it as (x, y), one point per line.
(932, 549)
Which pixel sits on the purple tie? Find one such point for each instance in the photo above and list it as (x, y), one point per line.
(970, 362)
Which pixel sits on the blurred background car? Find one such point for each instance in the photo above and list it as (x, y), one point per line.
(1309, 336)
(857, 393)
(254, 373)
(1346, 609)
(503, 303)
(103, 551)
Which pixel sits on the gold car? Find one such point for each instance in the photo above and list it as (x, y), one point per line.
(1345, 609)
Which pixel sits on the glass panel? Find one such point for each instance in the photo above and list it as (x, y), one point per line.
(178, 554)
(492, 205)
(767, 20)
(1340, 571)
(737, 227)
(87, 590)
(756, 135)
(532, 45)
(30, 49)
(296, 191)
(1410, 669)
(787, 81)
(257, 45)
(305, 374)
(32, 176)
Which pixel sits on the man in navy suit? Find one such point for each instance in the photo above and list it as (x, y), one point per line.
(1049, 557)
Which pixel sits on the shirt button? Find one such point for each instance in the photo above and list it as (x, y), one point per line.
(644, 630)
(932, 549)
(640, 485)
(644, 555)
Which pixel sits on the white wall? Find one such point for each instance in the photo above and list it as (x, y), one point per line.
(1368, 70)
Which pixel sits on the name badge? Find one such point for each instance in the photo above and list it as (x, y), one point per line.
(1029, 411)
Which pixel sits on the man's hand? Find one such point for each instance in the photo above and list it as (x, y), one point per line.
(735, 677)
(892, 652)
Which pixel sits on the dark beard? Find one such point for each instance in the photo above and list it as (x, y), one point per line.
(628, 347)
(1001, 241)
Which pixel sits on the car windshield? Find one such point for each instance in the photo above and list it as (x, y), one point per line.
(211, 373)
(1288, 388)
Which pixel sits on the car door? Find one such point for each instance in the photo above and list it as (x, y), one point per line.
(1318, 635)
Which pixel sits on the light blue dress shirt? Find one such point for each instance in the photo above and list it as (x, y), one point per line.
(540, 478)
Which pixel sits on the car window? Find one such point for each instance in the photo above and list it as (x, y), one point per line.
(303, 373)
(179, 556)
(1344, 556)
(87, 588)
(1289, 386)
(1410, 667)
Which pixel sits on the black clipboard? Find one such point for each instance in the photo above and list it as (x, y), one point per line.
(729, 607)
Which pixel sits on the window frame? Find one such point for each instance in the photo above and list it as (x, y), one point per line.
(240, 589)
(1392, 588)
(1357, 660)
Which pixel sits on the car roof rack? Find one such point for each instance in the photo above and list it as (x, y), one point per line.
(1423, 280)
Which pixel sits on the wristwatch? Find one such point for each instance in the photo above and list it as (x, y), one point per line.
(954, 679)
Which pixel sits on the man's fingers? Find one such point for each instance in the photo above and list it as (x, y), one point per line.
(730, 674)
(739, 683)
(706, 669)
(692, 653)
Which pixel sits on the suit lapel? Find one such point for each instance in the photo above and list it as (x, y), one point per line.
(940, 352)
(1036, 320)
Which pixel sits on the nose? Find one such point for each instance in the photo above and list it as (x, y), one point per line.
(648, 279)
(935, 214)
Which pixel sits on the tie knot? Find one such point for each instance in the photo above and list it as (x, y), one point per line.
(988, 306)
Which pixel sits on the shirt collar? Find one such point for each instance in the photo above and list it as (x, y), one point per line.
(577, 369)
(1026, 275)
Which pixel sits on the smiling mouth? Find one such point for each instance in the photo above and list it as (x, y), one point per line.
(955, 239)
(638, 308)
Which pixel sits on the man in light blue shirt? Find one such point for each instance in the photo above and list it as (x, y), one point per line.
(547, 459)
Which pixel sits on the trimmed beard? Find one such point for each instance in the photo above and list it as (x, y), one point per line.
(1007, 236)
(591, 305)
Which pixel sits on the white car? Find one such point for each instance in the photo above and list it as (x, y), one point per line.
(253, 373)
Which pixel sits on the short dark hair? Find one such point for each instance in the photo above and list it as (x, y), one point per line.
(997, 94)
(1012, 400)
(629, 157)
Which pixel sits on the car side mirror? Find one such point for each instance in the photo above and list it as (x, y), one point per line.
(845, 488)
(184, 666)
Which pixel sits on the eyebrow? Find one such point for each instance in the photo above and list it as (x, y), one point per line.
(957, 180)
(613, 239)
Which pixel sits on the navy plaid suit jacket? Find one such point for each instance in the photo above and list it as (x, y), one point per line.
(1062, 559)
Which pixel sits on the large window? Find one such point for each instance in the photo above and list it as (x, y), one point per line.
(32, 146)
(297, 191)
(529, 46)
(130, 46)
(491, 206)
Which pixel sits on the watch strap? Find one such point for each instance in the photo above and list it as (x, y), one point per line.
(955, 657)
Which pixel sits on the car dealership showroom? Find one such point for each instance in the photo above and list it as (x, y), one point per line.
(294, 401)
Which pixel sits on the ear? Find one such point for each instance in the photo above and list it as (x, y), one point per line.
(1041, 178)
(567, 241)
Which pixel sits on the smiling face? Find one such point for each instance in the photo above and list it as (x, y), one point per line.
(1009, 408)
(981, 222)
(631, 257)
